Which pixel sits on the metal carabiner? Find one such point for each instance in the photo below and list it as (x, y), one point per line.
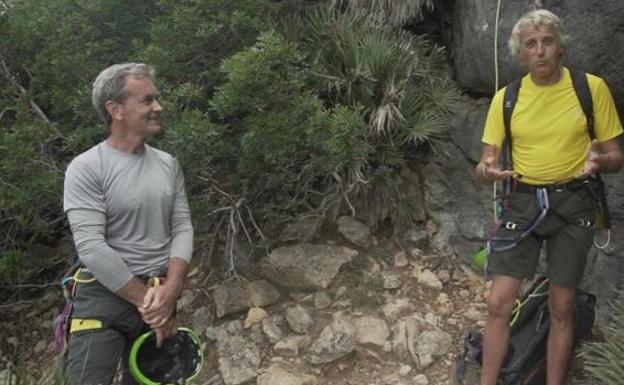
(584, 222)
(511, 226)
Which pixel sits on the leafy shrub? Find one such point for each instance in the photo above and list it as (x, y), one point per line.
(265, 127)
(190, 38)
(278, 125)
(31, 188)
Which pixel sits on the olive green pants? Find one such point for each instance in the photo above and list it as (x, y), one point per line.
(103, 326)
(567, 230)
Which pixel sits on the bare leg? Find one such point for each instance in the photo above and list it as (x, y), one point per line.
(561, 336)
(496, 336)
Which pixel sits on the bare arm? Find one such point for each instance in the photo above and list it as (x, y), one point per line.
(134, 291)
(605, 157)
(488, 169)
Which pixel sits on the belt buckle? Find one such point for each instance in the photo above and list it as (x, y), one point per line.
(559, 187)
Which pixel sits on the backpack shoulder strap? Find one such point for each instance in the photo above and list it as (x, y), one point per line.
(509, 103)
(583, 93)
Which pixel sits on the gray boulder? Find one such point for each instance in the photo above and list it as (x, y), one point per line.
(305, 265)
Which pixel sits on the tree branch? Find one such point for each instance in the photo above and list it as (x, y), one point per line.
(23, 92)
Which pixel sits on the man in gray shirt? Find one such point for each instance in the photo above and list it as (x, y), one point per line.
(129, 216)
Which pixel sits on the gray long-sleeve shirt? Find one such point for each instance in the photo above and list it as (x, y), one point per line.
(128, 213)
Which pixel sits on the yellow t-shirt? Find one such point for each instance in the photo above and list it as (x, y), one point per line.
(549, 129)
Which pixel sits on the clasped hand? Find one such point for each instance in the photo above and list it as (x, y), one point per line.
(157, 311)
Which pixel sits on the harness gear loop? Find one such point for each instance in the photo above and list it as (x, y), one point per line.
(507, 243)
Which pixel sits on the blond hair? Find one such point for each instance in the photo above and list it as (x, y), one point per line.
(536, 19)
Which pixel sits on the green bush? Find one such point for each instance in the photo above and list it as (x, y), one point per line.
(31, 188)
(50, 53)
(189, 39)
(263, 125)
(278, 127)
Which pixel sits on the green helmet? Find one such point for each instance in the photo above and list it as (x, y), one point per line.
(176, 362)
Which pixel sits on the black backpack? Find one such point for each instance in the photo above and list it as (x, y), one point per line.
(583, 93)
(525, 363)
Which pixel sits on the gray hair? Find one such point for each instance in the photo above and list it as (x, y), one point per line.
(536, 19)
(110, 85)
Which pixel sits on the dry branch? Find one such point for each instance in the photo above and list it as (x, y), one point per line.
(23, 92)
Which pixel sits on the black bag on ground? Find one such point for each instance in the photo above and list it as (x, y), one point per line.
(525, 363)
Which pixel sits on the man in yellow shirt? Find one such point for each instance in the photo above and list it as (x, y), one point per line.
(553, 157)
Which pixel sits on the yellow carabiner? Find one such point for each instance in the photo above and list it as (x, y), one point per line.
(153, 282)
(77, 277)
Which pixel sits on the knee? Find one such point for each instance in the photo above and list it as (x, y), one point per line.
(561, 312)
(500, 306)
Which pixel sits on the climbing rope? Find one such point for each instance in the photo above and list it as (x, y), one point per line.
(498, 5)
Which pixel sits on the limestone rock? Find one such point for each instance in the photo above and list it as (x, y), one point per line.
(186, 299)
(432, 343)
(280, 374)
(272, 329)
(303, 229)
(354, 231)
(371, 331)
(202, 317)
(404, 334)
(400, 259)
(239, 358)
(421, 379)
(262, 293)
(289, 346)
(305, 266)
(397, 308)
(234, 297)
(321, 300)
(428, 279)
(336, 340)
(254, 316)
(299, 319)
(391, 280)
(231, 298)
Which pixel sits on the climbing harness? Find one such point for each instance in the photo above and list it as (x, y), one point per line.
(507, 243)
(583, 93)
(64, 324)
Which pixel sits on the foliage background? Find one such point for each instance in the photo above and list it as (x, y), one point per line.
(275, 109)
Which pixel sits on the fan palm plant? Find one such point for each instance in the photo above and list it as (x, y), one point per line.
(398, 82)
(396, 77)
(392, 12)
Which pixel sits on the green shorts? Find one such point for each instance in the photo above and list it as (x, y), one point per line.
(567, 230)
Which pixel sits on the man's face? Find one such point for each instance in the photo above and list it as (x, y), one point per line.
(140, 112)
(540, 52)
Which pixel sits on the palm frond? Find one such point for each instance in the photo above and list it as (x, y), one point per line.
(392, 12)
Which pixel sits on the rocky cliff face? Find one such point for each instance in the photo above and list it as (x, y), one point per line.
(462, 208)
(595, 29)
